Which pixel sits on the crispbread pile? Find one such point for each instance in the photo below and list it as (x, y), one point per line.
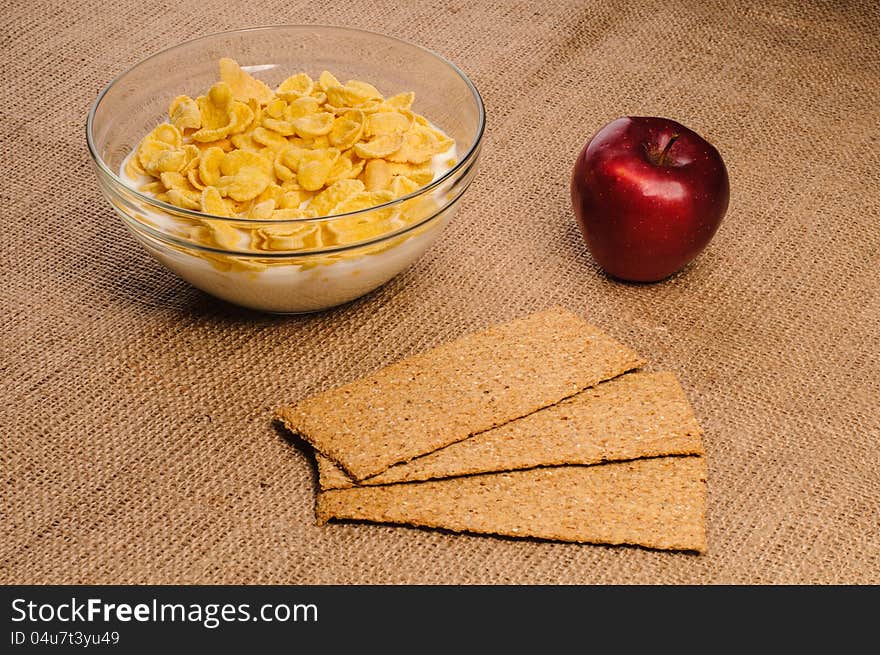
(540, 427)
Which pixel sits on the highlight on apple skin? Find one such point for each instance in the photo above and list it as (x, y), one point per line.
(648, 195)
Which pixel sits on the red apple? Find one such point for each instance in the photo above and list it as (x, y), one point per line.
(648, 195)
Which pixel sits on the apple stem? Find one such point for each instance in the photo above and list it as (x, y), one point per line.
(669, 143)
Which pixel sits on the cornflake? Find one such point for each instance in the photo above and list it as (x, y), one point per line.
(307, 149)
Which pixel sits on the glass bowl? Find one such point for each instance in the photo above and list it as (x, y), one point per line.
(282, 273)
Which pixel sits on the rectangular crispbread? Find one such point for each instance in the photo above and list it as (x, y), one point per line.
(632, 416)
(477, 382)
(657, 503)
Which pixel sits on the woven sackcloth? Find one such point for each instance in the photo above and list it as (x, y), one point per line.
(138, 444)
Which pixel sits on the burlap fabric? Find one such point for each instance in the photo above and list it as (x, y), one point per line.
(138, 444)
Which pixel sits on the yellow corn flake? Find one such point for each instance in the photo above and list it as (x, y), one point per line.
(307, 154)
(313, 173)
(367, 107)
(194, 179)
(362, 91)
(226, 263)
(185, 198)
(247, 142)
(255, 106)
(275, 109)
(133, 167)
(357, 168)
(282, 171)
(214, 203)
(157, 157)
(443, 142)
(291, 156)
(242, 85)
(184, 113)
(372, 106)
(301, 107)
(288, 214)
(225, 145)
(377, 175)
(420, 144)
(323, 203)
(167, 134)
(246, 184)
(379, 147)
(418, 208)
(242, 118)
(269, 139)
(344, 169)
(191, 154)
(172, 180)
(293, 185)
(239, 208)
(198, 233)
(272, 192)
(421, 174)
(286, 237)
(235, 161)
(387, 122)
(223, 234)
(326, 81)
(292, 199)
(317, 143)
(313, 125)
(282, 127)
(216, 105)
(347, 96)
(216, 112)
(295, 87)
(363, 200)
(403, 186)
(152, 187)
(347, 129)
(262, 210)
(209, 166)
(362, 226)
(401, 100)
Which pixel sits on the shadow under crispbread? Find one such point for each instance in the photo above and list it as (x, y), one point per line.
(632, 416)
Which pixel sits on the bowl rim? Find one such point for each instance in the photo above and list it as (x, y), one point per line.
(461, 165)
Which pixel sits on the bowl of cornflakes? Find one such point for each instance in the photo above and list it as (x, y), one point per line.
(287, 169)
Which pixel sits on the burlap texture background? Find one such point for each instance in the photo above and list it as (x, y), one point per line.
(137, 440)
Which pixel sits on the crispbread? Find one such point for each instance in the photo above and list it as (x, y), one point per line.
(634, 415)
(657, 503)
(477, 382)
